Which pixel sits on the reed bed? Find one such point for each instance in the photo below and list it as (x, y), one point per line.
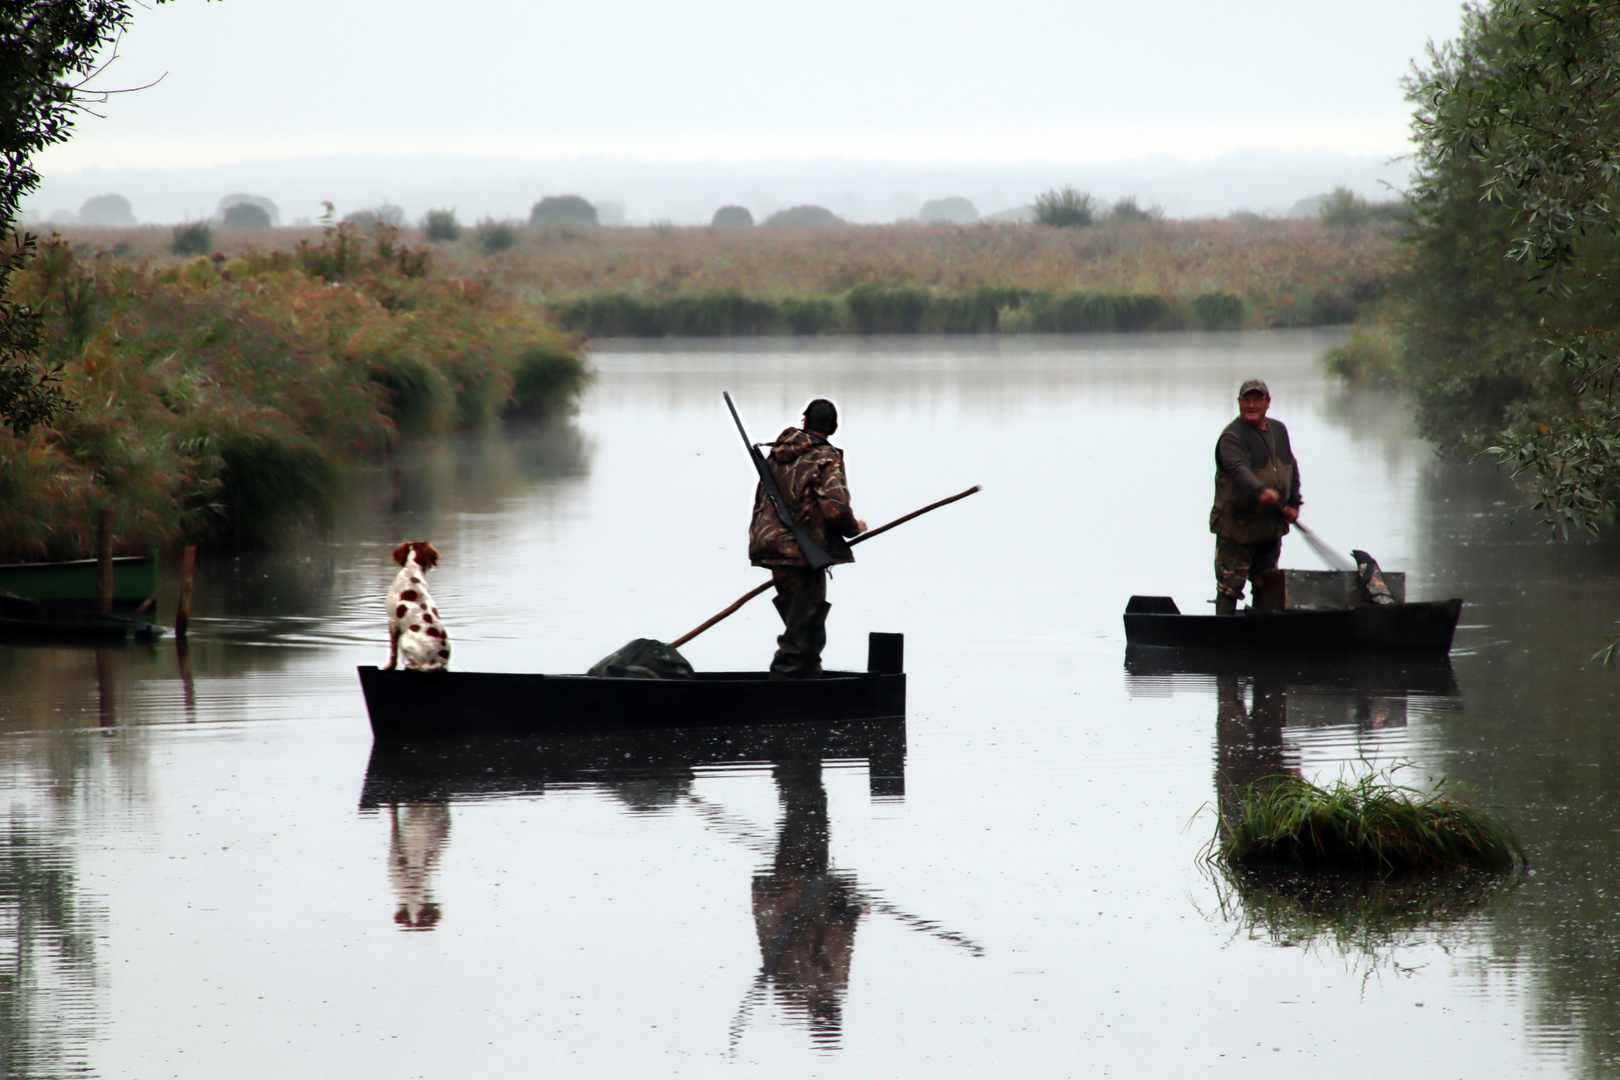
(222, 401)
(1368, 825)
(916, 279)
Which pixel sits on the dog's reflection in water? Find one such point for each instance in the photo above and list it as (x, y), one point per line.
(417, 838)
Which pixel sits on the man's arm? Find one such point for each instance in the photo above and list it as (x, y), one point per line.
(833, 501)
(1233, 457)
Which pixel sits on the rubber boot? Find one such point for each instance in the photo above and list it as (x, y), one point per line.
(804, 635)
(1225, 605)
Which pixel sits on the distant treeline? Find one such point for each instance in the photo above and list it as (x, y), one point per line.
(872, 309)
(223, 400)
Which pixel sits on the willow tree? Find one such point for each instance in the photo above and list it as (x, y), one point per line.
(49, 52)
(1516, 310)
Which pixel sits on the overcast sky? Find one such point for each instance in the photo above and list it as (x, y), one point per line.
(899, 80)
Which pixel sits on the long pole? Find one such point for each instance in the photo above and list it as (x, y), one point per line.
(867, 535)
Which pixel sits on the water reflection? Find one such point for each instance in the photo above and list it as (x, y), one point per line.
(1258, 699)
(805, 910)
(416, 838)
(48, 975)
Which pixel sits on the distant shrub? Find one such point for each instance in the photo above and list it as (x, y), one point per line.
(492, 236)
(245, 216)
(1342, 208)
(1089, 312)
(1368, 357)
(366, 220)
(1065, 208)
(1218, 311)
(565, 210)
(732, 217)
(977, 311)
(546, 378)
(721, 313)
(1127, 212)
(876, 310)
(271, 209)
(803, 217)
(192, 238)
(811, 315)
(106, 210)
(441, 225)
(953, 210)
(1332, 307)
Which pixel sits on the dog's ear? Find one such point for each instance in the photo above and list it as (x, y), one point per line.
(427, 556)
(401, 552)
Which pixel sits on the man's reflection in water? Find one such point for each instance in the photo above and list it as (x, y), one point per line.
(805, 915)
(1248, 740)
(417, 837)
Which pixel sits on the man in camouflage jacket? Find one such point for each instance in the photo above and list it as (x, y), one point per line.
(1256, 497)
(809, 472)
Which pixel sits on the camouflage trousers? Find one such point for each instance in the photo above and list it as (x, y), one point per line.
(801, 600)
(1236, 563)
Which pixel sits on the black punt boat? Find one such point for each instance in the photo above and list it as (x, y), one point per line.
(413, 704)
(1313, 611)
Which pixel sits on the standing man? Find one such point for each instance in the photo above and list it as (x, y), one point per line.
(1256, 496)
(810, 473)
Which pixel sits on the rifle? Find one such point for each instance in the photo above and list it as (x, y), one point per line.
(818, 559)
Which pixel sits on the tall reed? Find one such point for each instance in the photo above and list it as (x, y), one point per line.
(223, 401)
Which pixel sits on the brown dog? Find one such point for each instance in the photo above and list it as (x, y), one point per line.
(413, 621)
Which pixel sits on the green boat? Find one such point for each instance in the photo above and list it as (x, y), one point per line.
(135, 577)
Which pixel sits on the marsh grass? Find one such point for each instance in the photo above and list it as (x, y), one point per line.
(225, 401)
(1205, 274)
(621, 281)
(1369, 825)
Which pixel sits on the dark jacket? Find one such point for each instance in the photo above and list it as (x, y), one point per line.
(1247, 462)
(810, 473)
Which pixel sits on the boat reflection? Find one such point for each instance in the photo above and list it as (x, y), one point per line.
(1258, 696)
(805, 910)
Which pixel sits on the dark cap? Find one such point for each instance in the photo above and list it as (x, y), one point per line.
(1252, 385)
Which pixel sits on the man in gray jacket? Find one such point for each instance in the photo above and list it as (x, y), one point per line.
(1256, 496)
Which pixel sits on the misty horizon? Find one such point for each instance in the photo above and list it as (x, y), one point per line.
(642, 192)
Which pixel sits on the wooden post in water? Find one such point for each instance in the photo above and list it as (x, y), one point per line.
(104, 563)
(188, 568)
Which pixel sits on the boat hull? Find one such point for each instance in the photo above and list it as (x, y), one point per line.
(135, 577)
(1393, 628)
(415, 704)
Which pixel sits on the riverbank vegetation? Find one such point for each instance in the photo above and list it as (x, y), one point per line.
(1123, 273)
(1502, 323)
(221, 400)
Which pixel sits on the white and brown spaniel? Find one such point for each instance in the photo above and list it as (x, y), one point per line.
(413, 621)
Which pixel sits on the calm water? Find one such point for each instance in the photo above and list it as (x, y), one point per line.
(207, 872)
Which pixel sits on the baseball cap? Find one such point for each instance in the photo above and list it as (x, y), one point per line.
(1252, 385)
